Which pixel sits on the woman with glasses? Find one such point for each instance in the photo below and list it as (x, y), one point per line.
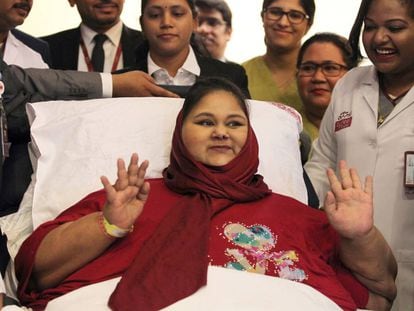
(370, 124)
(323, 59)
(272, 76)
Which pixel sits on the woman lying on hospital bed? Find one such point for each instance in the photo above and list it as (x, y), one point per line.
(210, 208)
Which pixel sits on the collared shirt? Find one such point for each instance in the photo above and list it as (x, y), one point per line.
(110, 46)
(186, 75)
(107, 85)
(18, 53)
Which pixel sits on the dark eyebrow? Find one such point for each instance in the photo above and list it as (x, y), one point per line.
(204, 114)
(387, 21)
(159, 7)
(208, 114)
(327, 62)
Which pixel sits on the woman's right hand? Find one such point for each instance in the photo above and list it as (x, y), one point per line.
(125, 199)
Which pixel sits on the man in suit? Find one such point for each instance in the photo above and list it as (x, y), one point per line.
(26, 51)
(75, 48)
(18, 47)
(33, 85)
(214, 26)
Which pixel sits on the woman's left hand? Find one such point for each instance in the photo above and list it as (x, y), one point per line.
(349, 204)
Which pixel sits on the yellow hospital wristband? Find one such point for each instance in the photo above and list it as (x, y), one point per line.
(113, 231)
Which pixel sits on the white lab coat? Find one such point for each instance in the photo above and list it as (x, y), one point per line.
(373, 151)
(18, 53)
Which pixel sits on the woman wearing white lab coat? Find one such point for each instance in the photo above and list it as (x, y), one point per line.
(370, 124)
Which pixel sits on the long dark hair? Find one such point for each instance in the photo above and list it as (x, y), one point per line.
(356, 30)
(355, 33)
(328, 37)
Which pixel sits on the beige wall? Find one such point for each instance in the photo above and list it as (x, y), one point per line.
(49, 16)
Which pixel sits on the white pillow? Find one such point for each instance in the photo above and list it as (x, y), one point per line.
(76, 142)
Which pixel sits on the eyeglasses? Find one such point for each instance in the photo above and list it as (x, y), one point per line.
(210, 21)
(275, 14)
(329, 69)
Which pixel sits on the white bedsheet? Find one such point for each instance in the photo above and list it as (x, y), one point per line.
(226, 290)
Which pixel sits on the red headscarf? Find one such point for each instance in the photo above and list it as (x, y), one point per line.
(160, 275)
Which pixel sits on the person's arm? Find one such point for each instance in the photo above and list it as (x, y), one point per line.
(362, 249)
(137, 84)
(62, 252)
(34, 85)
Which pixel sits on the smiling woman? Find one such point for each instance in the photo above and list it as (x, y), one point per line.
(215, 136)
(272, 76)
(246, 26)
(323, 59)
(369, 123)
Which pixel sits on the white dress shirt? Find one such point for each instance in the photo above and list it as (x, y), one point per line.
(186, 75)
(110, 47)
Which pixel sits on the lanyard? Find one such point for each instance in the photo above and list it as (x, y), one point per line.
(4, 143)
(88, 59)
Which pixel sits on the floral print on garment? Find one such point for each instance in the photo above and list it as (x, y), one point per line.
(254, 252)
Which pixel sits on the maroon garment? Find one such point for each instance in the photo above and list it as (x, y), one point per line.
(194, 216)
(147, 284)
(297, 227)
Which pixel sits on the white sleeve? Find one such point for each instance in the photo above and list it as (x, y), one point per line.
(2, 289)
(106, 79)
(323, 154)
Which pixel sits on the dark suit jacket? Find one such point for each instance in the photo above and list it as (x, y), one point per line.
(33, 85)
(64, 47)
(209, 67)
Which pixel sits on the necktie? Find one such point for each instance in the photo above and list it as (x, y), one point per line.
(98, 54)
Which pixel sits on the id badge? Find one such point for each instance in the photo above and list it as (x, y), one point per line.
(409, 169)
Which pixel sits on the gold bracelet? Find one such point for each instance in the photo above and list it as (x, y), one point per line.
(111, 230)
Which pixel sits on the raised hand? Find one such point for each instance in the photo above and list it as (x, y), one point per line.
(349, 204)
(125, 199)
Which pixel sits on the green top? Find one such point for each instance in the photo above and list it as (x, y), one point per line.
(262, 86)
